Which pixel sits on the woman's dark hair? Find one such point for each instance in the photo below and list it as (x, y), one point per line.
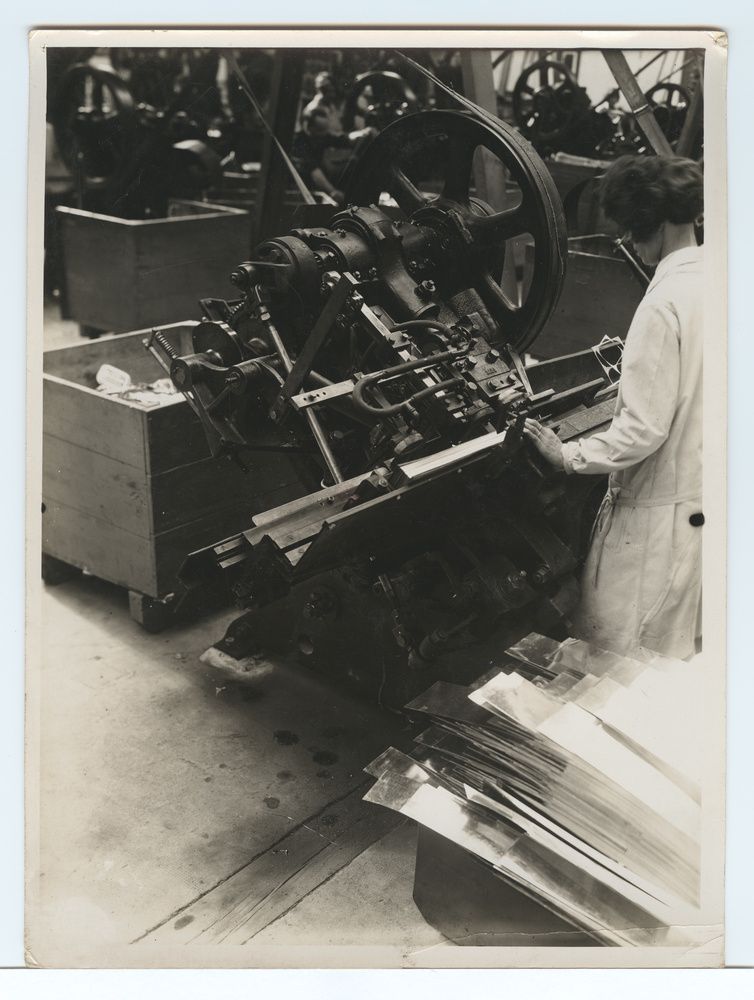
(639, 193)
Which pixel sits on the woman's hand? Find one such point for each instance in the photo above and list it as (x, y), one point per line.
(547, 442)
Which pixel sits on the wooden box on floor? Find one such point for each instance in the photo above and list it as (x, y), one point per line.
(125, 274)
(241, 190)
(599, 298)
(129, 491)
(576, 178)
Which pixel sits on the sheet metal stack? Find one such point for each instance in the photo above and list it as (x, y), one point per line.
(573, 774)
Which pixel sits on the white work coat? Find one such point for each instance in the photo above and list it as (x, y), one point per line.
(641, 585)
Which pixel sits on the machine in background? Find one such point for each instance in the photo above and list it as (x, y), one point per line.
(128, 157)
(556, 115)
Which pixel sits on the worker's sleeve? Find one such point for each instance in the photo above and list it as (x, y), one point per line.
(646, 400)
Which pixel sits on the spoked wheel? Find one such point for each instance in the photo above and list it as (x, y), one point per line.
(379, 97)
(427, 163)
(670, 104)
(94, 121)
(547, 103)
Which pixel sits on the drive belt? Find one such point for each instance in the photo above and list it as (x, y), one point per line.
(298, 180)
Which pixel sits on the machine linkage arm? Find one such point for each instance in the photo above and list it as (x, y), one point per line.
(312, 420)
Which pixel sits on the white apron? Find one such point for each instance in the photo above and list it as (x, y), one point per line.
(641, 585)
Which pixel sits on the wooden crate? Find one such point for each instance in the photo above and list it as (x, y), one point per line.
(599, 298)
(129, 491)
(575, 178)
(126, 274)
(241, 190)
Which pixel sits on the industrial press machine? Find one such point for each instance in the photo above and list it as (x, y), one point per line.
(385, 345)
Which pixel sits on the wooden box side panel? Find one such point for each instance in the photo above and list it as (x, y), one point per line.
(599, 298)
(122, 275)
(76, 412)
(192, 491)
(175, 437)
(141, 479)
(184, 260)
(90, 420)
(79, 363)
(99, 266)
(115, 493)
(108, 551)
(95, 529)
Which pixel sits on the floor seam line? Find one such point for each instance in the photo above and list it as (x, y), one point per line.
(258, 903)
(246, 864)
(323, 882)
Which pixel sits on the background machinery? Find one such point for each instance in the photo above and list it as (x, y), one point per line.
(557, 115)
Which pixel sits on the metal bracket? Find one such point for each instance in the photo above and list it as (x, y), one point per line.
(315, 397)
(320, 333)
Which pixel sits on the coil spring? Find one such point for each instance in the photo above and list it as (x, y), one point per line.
(165, 344)
(235, 311)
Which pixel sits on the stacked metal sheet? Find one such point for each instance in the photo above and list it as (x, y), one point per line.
(572, 773)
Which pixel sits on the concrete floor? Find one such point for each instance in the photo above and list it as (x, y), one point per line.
(181, 802)
(163, 778)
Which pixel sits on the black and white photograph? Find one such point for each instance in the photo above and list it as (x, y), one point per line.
(376, 499)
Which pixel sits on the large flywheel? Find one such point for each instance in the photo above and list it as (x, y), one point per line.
(429, 165)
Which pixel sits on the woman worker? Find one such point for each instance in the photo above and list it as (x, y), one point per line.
(641, 584)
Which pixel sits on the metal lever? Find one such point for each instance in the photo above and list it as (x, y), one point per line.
(314, 425)
(322, 330)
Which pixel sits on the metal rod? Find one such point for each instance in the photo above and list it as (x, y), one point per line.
(632, 261)
(641, 69)
(317, 338)
(678, 69)
(314, 425)
(243, 83)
